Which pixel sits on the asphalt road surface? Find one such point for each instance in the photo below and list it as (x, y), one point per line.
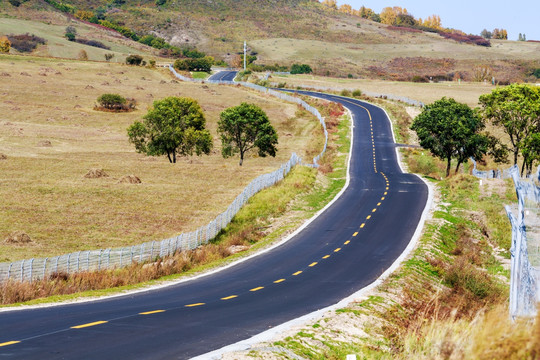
(344, 250)
(224, 75)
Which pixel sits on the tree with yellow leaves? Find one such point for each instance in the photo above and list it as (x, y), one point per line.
(347, 9)
(5, 44)
(433, 22)
(332, 4)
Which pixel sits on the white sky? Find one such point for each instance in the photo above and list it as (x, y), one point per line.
(470, 16)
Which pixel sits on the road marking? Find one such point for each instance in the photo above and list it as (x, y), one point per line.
(373, 210)
(337, 249)
(362, 226)
(9, 343)
(378, 204)
(326, 256)
(385, 193)
(196, 304)
(89, 324)
(347, 242)
(257, 288)
(229, 297)
(297, 273)
(278, 281)
(313, 264)
(382, 198)
(387, 188)
(151, 312)
(356, 233)
(368, 217)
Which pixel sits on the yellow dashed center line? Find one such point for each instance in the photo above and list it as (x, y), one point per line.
(385, 193)
(356, 233)
(196, 304)
(347, 242)
(229, 297)
(326, 256)
(373, 210)
(257, 288)
(382, 199)
(9, 343)
(151, 312)
(362, 226)
(278, 281)
(368, 217)
(313, 264)
(378, 204)
(89, 324)
(337, 249)
(297, 273)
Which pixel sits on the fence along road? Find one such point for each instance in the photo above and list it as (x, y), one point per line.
(346, 248)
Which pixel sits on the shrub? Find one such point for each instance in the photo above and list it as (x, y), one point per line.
(108, 56)
(5, 44)
(357, 93)
(345, 92)
(93, 43)
(197, 64)
(134, 60)
(115, 102)
(152, 63)
(25, 42)
(71, 30)
(82, 55)
(536, 73)
(301, 69)
(160, 2)
(70, 36)
(419, 79)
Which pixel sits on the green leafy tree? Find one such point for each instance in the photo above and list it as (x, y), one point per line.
(173, 126)
(301, 69)
(111, 101)
(450, 130)
(245, 127)
(531, 151)
(515, 109)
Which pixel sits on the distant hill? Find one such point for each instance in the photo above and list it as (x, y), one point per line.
(305, 31)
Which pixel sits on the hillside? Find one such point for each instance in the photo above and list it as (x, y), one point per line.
(289, 31)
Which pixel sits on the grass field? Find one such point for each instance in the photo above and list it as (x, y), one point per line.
(52, 137)
(465, 92)
(58, 46)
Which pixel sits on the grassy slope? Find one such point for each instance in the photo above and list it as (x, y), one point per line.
(43, 189)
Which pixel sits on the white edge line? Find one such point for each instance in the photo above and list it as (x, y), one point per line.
(268, 335)
(211, 272)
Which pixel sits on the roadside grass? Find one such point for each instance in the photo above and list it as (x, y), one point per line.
(268, 216)
(199, 75)
(52, 137)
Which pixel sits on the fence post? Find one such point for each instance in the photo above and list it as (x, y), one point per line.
(68, 261)
(99, 260)
(31, 268)
(141, 256)
(78, 260)
(56, 264)
(44, 267)
(87, 260)
(9, 271)
(109, 258)
(22, 270)
(152, 251)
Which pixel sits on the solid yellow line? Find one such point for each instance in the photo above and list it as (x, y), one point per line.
(297, 273)
(347, 242)
(326, 256)
(362, 226)
(257, 288)
(337, 249)
(368, 217)
(356, 233)
(89, 324)
(9, 343)
(229, 297)
(313, 264)
(151, 312)
(193, 305)
(278, 281)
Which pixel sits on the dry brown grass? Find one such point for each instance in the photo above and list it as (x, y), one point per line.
(44, 191)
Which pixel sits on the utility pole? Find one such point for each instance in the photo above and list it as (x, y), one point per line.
(245, 49)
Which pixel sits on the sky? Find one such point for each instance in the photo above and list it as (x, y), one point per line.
(470, 16)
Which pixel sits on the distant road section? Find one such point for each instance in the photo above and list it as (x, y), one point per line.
(345, 249)
(227, 75)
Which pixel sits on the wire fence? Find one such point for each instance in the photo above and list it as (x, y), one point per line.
(39, 268)
(525, 248)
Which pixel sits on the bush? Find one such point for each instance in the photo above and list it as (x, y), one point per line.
(115, 102)
(5, 44)
(357, 93)
(197, 64)
(536, 73)
(93, 43)
(152, 63)
(345, 92)
(108, 56)
(26, 42)
(301, 69)
(70, 36)
(419, 79)
(82, 55)
(71, 30)
(134, 60)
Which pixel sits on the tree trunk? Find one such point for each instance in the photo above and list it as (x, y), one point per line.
(523, 167)
(169, 156)
(516, 154)
(448, 164)
(241, 157)
(457, 167)
(174, 157)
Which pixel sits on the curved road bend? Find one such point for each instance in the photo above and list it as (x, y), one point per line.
(227, 75)
(344, 250)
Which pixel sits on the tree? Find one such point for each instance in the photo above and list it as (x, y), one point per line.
(172, 126)
(111, 101)
(301, 69)
(5, 44)
(486, 34)
(134, 60)
(108, 56)
(515, 109)
(332, 4)
(83, 55)
(451, 130)
(244, 127)
(531, 151)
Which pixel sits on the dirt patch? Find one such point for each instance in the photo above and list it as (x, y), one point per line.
(129, 179)
(18, 237)
(96, 174)
(237, 248)
(3, 157)
(44, 143)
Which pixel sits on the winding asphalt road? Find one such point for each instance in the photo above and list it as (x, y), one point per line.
(227, 75)
(342, 251)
